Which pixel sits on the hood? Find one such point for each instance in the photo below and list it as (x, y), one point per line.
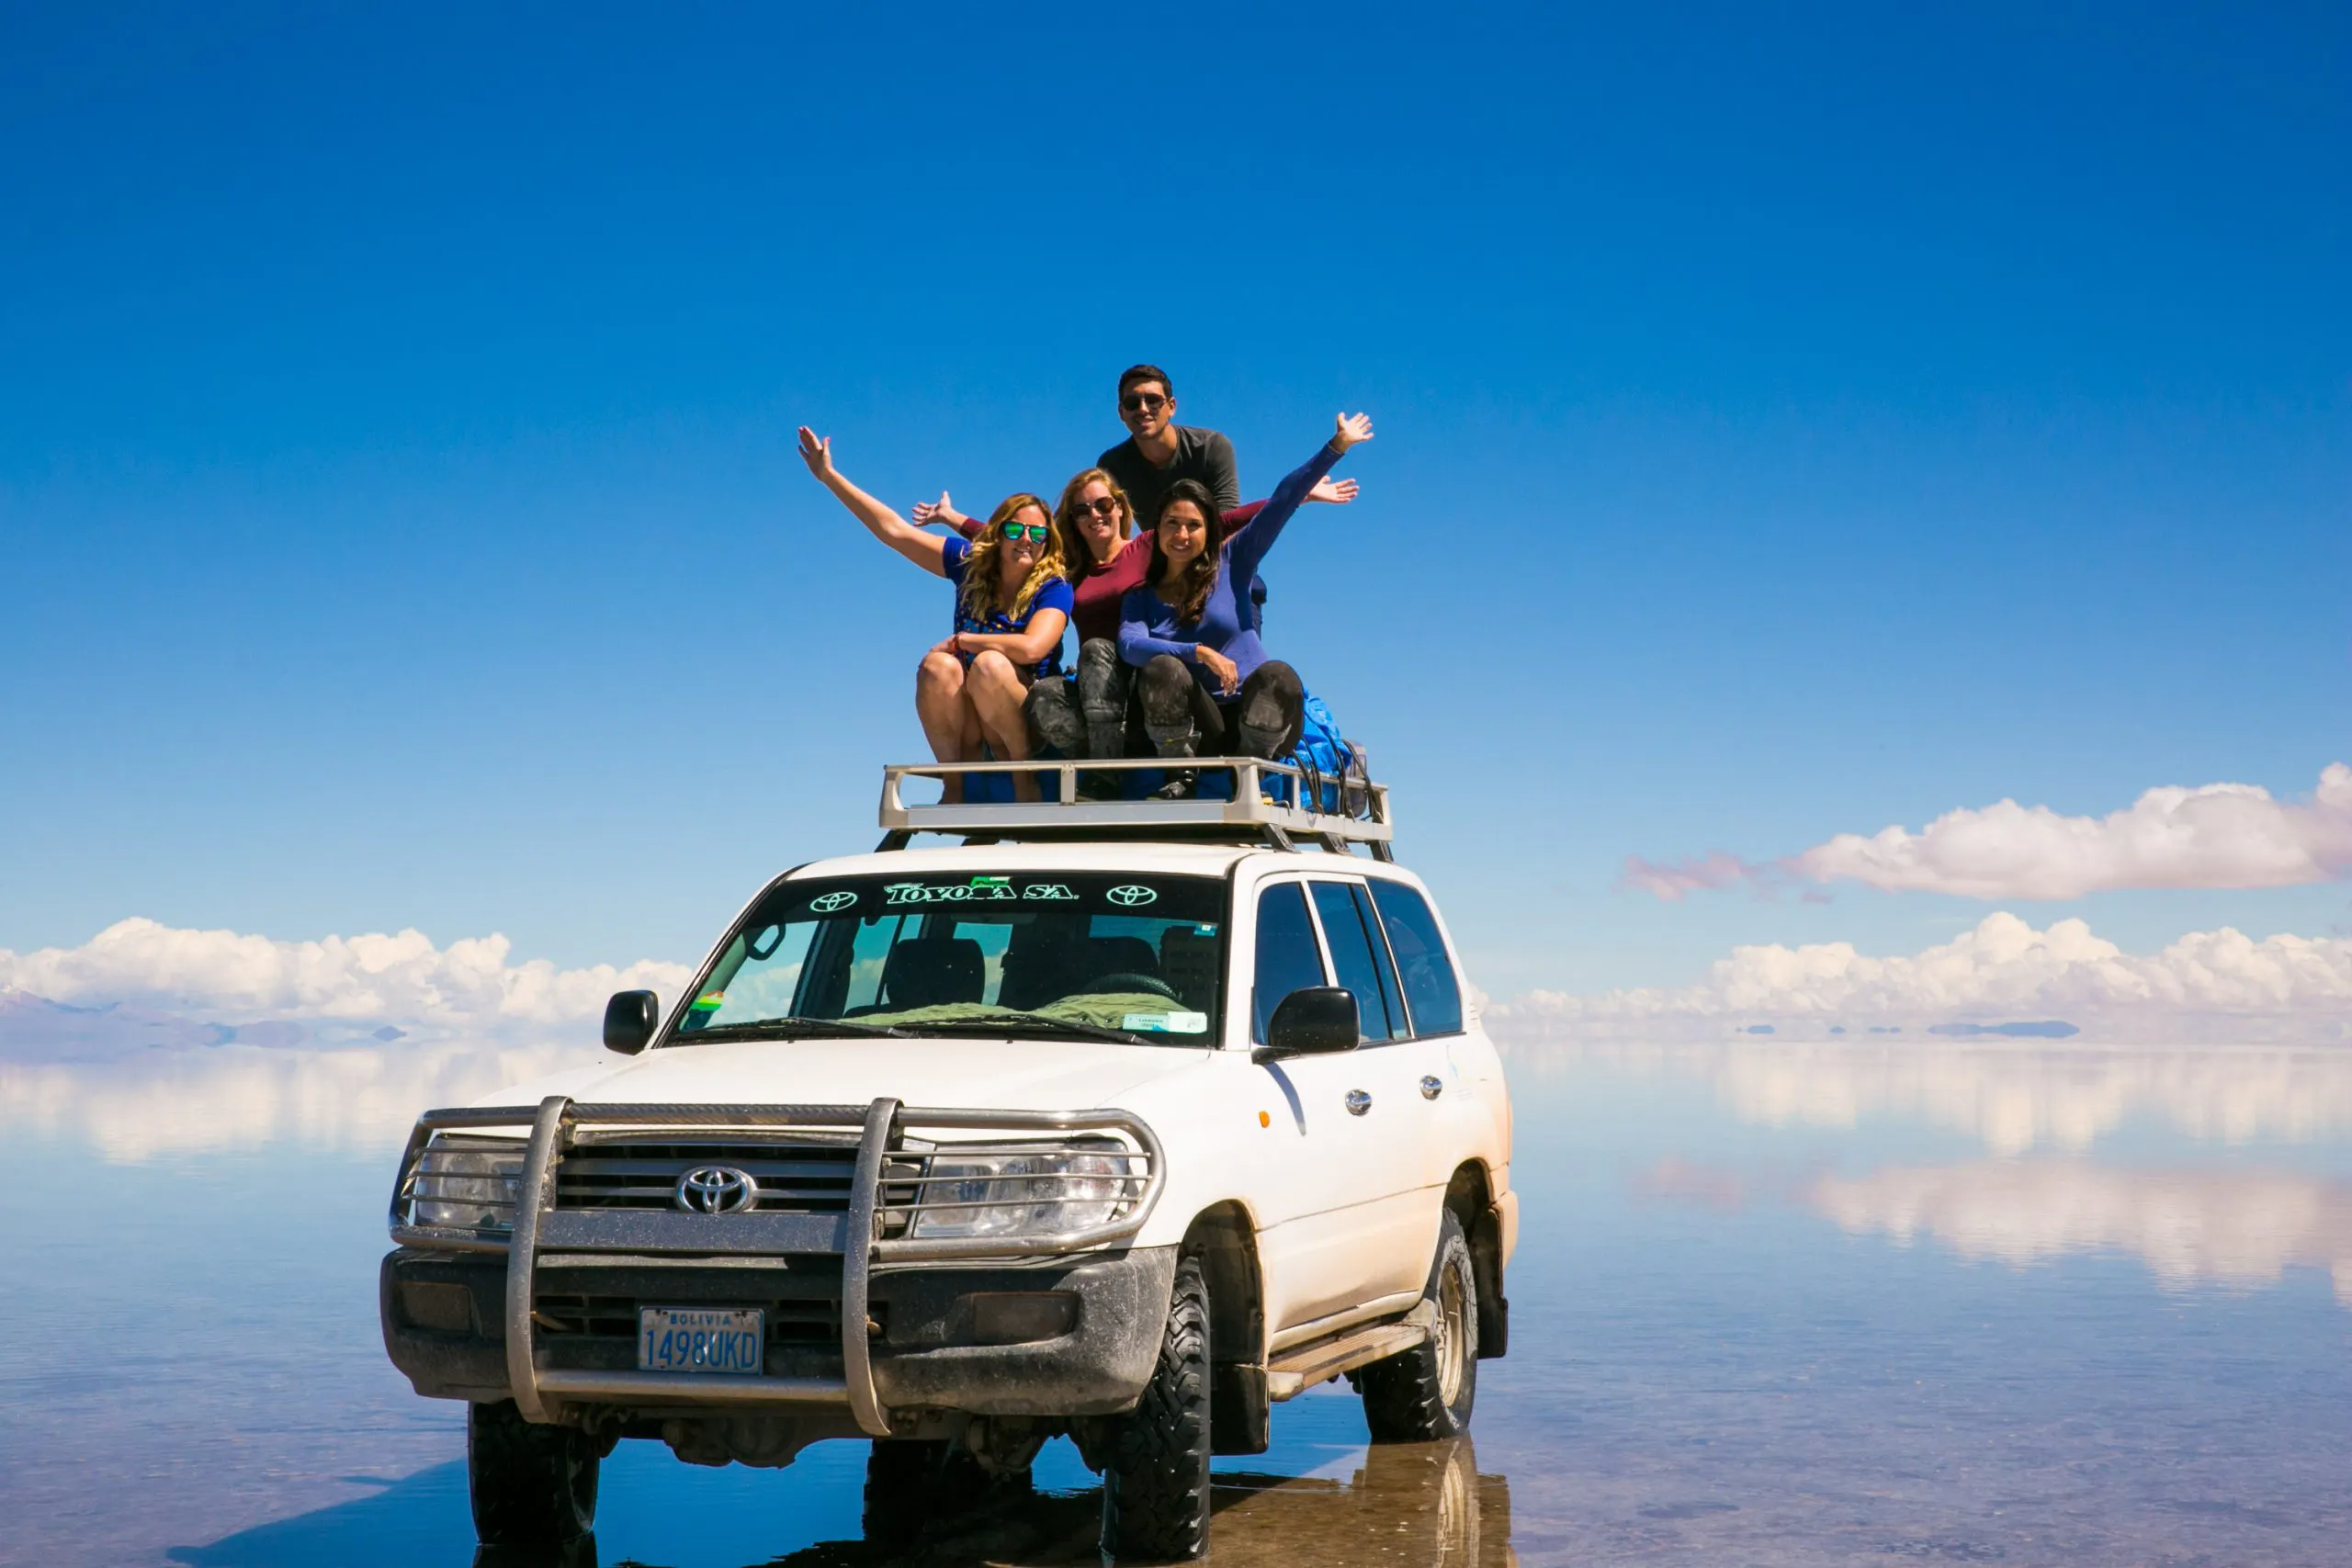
(966, 1075)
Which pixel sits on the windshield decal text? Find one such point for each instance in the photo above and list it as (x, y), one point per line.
(980, 890)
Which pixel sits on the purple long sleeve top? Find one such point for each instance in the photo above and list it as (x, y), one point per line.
(1148, 625)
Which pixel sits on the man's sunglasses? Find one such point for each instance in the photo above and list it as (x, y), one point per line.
(1039, 532)
(1136, 403)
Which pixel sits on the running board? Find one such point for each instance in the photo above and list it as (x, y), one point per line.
(1292, 1372)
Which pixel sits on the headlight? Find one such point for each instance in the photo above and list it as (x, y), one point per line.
(465, 1183)
(1024, 1194)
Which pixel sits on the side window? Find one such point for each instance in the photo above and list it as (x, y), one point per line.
(1288, 958)
(1430, 988)
(1356, 955)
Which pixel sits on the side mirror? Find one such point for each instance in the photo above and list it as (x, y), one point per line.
(1312, 1021)
(630, 1019)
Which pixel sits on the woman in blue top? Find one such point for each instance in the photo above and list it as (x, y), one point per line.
(1191, 629)
(1013, 600)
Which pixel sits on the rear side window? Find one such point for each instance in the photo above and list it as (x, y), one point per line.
(1288, 958)
(1360, 962)
(1431, 989)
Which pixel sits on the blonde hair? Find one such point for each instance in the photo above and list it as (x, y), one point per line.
(1066, 517)
(982, 595)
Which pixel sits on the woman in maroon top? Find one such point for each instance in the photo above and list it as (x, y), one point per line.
(1085, 715)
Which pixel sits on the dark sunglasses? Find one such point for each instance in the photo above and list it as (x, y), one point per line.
(1102, 505)
(1136, 403)
(1039, 532)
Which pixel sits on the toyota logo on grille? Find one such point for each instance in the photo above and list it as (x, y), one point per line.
(716, 1189)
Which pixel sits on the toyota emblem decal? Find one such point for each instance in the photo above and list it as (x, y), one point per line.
(826, 903)
(716, 1189)
(1131, 895)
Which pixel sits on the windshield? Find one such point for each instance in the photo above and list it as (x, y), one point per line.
(1100, 955)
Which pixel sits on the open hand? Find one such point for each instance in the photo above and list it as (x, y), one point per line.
(940, 510)
(1337, 493)
(816, 451)
(1223, 670)
(1354, 429)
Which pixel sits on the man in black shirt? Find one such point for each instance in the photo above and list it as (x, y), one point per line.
(1159, 451)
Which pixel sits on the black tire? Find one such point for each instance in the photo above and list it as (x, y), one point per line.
(531, 1487)
(1155, 1486)
(1425, 1393)
(911, 1482)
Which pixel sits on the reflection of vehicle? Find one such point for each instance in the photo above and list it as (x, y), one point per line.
(1421, 1504)
(1127, 1132)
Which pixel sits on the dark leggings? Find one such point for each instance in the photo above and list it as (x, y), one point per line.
(1084, 714)
(1180, 718)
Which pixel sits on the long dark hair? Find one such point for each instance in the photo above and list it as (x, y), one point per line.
(1200, 576)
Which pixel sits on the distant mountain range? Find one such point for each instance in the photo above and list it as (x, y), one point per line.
(34, 1029)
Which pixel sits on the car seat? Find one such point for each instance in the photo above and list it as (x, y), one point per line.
(1188, 962)
(1120, 955)
(928, 971)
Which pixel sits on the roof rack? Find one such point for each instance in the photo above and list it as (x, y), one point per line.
(1265, 805)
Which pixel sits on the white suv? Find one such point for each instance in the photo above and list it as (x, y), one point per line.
(1105, 1132)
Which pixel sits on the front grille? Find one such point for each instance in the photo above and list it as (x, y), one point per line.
(799, 1176)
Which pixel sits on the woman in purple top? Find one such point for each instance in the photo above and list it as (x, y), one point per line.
(1012, 602)
(1205, 683)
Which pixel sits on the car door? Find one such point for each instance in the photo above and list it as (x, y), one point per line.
(1325, 1176)
(1393, 1071)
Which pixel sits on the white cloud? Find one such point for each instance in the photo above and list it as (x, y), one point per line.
(2002, 969)
(2221, 835)
(402, 978)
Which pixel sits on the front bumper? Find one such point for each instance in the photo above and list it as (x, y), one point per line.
(880, 1329)
(442, 1318)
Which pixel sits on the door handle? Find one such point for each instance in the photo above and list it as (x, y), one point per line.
(1431, 1087)
(1358, 1103)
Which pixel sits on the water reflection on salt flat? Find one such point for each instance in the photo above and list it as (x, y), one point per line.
(2239, 1230)
(149, 1104)
(2014, 1098)
(1410, 1505)
(1774, 1304)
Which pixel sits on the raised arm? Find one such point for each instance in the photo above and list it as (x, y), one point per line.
(1249, 543)
(943, 511)
(1331, 492)
(925, 550)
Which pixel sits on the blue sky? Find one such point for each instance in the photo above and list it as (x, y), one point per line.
(1789, 424)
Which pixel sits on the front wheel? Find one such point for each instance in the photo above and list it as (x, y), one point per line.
(1426, 1393)
(530, 1486)
(1155, 1485)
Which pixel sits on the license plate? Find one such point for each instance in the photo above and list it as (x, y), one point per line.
(681, 1340)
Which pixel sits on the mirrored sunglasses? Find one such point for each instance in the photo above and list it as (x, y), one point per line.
(1039, 532)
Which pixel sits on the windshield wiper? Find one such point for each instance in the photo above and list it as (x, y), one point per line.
(795, 1028)
(1025, 1023)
